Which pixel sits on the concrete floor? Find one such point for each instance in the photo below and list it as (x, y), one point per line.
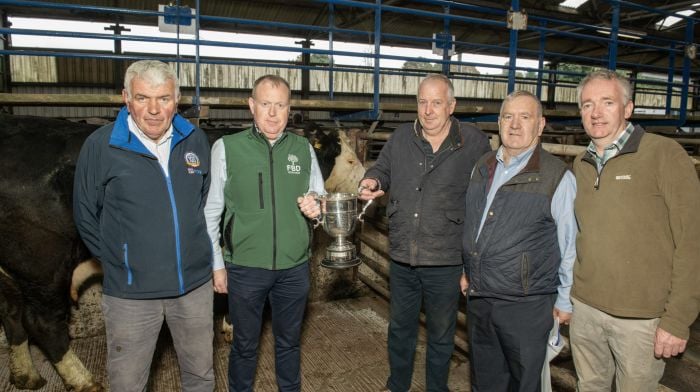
(343, 350)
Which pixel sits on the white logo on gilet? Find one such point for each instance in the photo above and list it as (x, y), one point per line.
(292, 166)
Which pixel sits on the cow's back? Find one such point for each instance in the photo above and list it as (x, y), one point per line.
(39, 240)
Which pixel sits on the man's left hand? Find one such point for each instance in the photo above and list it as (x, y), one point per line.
(667, 345)
(309, 206)
(564, 317)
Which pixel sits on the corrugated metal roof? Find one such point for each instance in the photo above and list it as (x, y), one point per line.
(315, 13)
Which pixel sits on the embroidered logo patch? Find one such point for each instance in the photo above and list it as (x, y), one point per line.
(624, 177)
(191, 159)
(292, 166)
(192, 162)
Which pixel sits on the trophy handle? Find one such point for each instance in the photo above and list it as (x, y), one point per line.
(318, 222)
(362, 213)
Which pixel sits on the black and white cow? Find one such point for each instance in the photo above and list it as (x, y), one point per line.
(43, 261)
(340, 166)
(39, 246)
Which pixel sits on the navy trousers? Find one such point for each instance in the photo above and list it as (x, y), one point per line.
(508, 342)
(248, 290)
(437, 289)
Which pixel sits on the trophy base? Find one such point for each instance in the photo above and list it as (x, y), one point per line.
(340, 264)
(341, 257)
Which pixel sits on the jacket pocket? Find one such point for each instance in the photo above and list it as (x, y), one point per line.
(525, 273)
(456, 217)
(260, 191)
(228, 231)
(391, 208)
(129, 275)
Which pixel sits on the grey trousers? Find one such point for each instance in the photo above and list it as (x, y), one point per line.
(606, 347)
(132, 331)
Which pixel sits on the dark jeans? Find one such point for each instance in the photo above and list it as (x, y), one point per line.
(248, 288)
(438, 290)
(508, 342)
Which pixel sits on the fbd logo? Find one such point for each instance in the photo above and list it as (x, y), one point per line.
(293, 167)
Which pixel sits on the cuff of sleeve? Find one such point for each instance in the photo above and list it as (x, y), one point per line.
(564, 304)
(674, 327)
(218, 263)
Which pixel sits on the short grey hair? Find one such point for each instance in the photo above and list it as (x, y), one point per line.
(442, 78)
(606, 74)
(275, 80)
(152, 71)
(521, 93)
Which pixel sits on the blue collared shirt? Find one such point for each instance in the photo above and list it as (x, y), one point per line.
(562, 210)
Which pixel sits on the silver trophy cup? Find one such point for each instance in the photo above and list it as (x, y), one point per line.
(339, 222)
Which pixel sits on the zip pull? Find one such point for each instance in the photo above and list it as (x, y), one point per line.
(597, 182)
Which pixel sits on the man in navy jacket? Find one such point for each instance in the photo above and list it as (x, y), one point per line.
(139, 193)
(519, 250)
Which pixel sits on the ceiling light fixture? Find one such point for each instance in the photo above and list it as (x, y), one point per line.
(572, 3)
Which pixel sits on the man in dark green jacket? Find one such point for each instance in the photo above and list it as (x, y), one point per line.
(265, 179)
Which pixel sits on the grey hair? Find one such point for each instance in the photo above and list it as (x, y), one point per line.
(521, 93)
(152, 71)
(442, 78)
(606, 74)
(275, 80)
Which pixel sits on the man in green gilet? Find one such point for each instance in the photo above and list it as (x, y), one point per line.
(258, 179)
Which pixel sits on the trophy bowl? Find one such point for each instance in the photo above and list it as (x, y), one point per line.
(339, 222)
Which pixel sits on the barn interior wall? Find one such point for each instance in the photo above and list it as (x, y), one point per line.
(57, 71)
(55, 75)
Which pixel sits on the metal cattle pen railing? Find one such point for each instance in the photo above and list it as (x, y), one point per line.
(674, 96)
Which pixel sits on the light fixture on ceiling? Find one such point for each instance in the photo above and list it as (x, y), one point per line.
(624, 33)
(572, 3)
(669, 21)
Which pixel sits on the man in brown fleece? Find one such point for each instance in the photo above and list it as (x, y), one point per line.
(636, 277)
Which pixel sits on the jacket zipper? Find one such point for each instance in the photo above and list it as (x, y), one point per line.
(596, 185)
(178, 256)
(173, 206)
(272, 201)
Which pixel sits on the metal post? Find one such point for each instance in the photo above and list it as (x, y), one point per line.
(540, 63)
(669, 84)
(513, 50)
(177, 37)
(118, 65)
(614, 27)
(331, 26)
(634, 82)
(305, 73)
(195, 99)
(446, 50)
(306, 62)
(377, 45)
(689, 27)
(551, 85)
(5, 74)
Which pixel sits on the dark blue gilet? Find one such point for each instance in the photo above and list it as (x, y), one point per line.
(517, 253)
